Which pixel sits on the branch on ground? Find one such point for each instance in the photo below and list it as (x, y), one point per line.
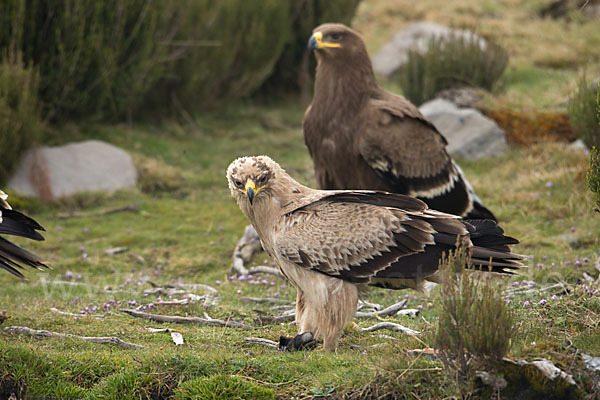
(185, 320)
(46, 334)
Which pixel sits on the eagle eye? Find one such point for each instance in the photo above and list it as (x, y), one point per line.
(336, 36)
(262, 180)
(238, 183)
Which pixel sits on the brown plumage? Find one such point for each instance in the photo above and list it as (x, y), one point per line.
(13, 257)
(363, 137)
(332, 244)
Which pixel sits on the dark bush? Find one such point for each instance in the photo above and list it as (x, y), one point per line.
(111, 58)
(593, 174)
(20, 123)
(451, 62)
(583, 112)
(291, 73)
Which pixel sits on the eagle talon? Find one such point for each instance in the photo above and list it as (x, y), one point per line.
(303, 341)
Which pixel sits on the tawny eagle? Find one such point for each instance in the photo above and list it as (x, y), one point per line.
(13, 257)
(361, 136)
(331, 245)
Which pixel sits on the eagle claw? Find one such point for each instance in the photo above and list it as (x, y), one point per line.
(303, 341)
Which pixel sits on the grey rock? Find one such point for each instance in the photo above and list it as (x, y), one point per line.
(62, 171)
(417, 36)
(578, 145)
(462, 97)
(591, 363)
(470, 134)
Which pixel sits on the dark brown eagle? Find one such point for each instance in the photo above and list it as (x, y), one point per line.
(17, 224)
(362, 137)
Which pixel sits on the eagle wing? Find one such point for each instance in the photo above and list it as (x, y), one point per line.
(359, 236)
(405, 149)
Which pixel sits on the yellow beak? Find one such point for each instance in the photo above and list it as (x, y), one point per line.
(316, 42)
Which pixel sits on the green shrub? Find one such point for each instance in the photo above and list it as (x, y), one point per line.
(451, 62)
(475, 325)
(222, 387)
(109, 58)
(593, 174)
(20, 123)
(583, 112)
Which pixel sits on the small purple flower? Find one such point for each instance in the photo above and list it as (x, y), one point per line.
(264, 282)
(524, 282)
(414, 297)
(420, 307)
(217, 282)
(585, 259)
(239, 291)
(68, 275)
(232, 277)
(250, 276)
(526, 303)
(567, 262)
(265, 261)
(82, 312)
(95, 308)
(530, 257)
(286, 293)
(406, 296)
(75, 300)
(84, 256)
(272, 283)
(542, 302)
(544, 258)
(572, 229)
(82, 248)
(79, 276)
(242, 278)
(276, 294)
(578, 263)
(516, 283)
(531, 283)
(554, 264)
(86, 229)
(111, 301)
(273, 263)
(58, 228)
(151, 306)
(549, 184)
(540, 265)
(105, 305)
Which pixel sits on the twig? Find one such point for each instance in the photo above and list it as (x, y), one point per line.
(265, 270)
(264, 300)
(111, 251)
(534, 290)
(411, 312)
(394, 308)
(364, 303)
(44, 334)
(70, 314)
(261, 341)
(276, 318)
(392, 327)
(184, 320)
(79, 214)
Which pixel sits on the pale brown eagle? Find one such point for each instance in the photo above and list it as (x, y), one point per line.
(362, 137)
(331, 245)
(13, 257)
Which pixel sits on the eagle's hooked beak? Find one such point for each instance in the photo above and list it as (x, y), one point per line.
(251, 190)
(316, 42)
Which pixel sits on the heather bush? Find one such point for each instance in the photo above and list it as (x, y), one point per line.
(451, 62)
(20, 123)
(475, 327)
(583, 112)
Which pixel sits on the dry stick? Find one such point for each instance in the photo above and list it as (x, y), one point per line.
(44, 334)
(392, 327)
(265, 270)
(261, 341)
(530, 290)
(264, 300)
(69, 314)
(79, 214)
(184, 320)
(394, 308)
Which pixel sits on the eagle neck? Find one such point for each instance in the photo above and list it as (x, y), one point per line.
(342, 87)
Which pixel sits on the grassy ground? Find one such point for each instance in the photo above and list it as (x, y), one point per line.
(187, 226)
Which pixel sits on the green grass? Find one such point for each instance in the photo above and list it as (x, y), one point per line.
(188, 232)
